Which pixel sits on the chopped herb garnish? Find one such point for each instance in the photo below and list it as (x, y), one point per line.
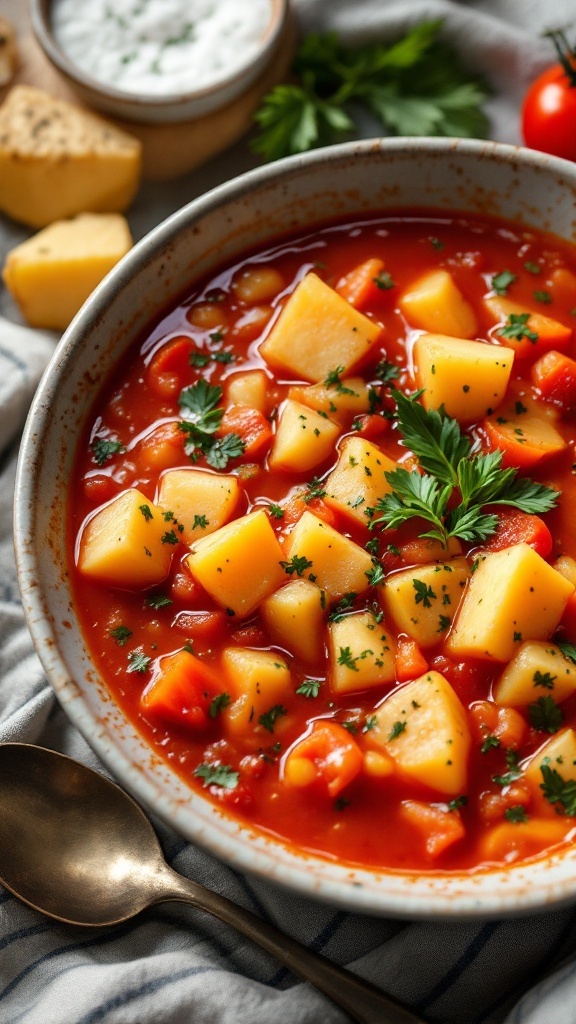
(296, 565)
(200, 522)
(333, 380)
(217, 775)
(558, 790)
(424, 593)
(342, 609)
(384, 281)
(375, 574)
(396, 730)
(544, 679)
(545, 715)
(532, 268)
(516, 814)
(516, 328)
(387, 372)
(491, 742)
(543, 296)
(120, 635)
(269, 718)
(158, 601)
(218, 703)
(146, 512)
(502, 281)
(345, 658)
(568, 650)
(309, 688)
(457, 803)
(170, 537)
(138, 661)
(276, 511)
(104, 448)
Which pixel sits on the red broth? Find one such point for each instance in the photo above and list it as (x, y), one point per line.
(309, 765)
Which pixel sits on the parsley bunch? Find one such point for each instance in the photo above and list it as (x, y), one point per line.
(413, 87)
(444, 452)
(199, 404)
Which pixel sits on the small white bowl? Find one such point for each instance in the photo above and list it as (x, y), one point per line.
(170, 107)
(250, 212)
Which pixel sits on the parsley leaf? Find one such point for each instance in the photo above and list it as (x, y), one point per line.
(516, 328)
(269, 717)
(218, 703)
(568, 650)
(297, 564)
(199, 401)
(502, 281)
(424, 594)
(309, 688)
(445, 453)
(558, 790)
(231, 446)
(413, 87)
(545, 715)
(217, 775)
(158, 601)
(120, 635)
(104, 448)
(397, 729)
(138, 661)
(516, 814)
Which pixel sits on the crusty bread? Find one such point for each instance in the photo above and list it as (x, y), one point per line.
(58, 159)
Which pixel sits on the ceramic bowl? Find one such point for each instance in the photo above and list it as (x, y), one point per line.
(297, 193)
(171, 107)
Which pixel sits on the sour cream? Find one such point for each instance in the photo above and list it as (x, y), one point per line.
(160, 47)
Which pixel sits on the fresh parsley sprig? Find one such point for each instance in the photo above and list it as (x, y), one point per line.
(415, 86)
(199, 404)
(445, 453)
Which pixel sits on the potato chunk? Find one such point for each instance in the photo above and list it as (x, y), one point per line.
(201, 501)
(423, 727)
(303, 438)
(239, 564)
(351, 398)
(339, 566)
(469, 378)
(318, 332)
(294, 615)
(248, 388)
(259, 681)
(514, 595)
(538, 668)
(362, 654)
(559, 753)
(52, 274)
(422, 601)
(435, 303)
(123, 543)
(357, 481)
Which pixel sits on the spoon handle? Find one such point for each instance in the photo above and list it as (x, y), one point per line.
(361, 1000)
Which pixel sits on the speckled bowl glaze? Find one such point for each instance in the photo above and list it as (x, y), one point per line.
(172, 107)
(250, 211)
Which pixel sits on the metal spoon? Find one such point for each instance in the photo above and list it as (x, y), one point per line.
(76, 847)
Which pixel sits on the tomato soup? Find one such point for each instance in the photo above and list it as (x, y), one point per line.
(322, 541)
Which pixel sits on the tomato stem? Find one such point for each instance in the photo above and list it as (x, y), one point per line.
(566, 54)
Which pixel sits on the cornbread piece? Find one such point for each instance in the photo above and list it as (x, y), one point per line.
(57, 160)
(8, 51)
(52, 274)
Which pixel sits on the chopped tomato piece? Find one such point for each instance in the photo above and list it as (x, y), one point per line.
(294, 510)
(410, 662)
(439, 827)
(371, 426)
(250, 425)
(184, 589)
(169, 369)
(517, 527)
(359, 287)
(493, 806)
(554, 374)
(182, 691)
(328, 757)
(202, 626)
(506, 724)
(101, 488)
(252, 635)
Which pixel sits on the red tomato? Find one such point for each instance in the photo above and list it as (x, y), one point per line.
(549, 108)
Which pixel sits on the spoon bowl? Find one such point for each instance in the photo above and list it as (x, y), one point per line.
(76, 847)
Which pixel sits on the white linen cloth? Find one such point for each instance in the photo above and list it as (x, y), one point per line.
(172, 965)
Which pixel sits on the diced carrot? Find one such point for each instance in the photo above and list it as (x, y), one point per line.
(439, 827)
(327, 757)
(554, 374)
(251, 426)
(524, 439)
(517, 527)
(184, 589)
(169, 369)
(182, 691)
(371, 426)
(410, 662)
(359, 286)
(562, 287)
(544, 332)
(163, 448)
(506, 724)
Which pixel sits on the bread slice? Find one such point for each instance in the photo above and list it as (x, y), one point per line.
(58, 159)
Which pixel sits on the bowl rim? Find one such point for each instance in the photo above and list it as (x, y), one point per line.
(178, 105)
(470, 895)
